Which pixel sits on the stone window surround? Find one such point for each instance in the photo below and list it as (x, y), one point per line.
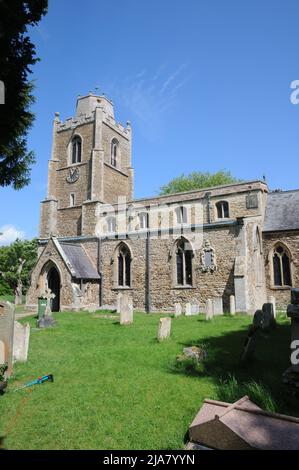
(114, 143)
(217, 205)
(111, 224)
(72, 199)
(270, 259)
(181, 213)
(70, 149)
(143, 217)
(172, 259)
(114, 265)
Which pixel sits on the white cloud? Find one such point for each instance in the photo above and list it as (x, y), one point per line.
(9, 234)
(150, 97)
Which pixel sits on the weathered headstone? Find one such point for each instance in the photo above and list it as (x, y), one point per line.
(268, 317)
(232, 305)
(7, 315)
(118, 302)
(47, 320)
(188, 311)
(21, 342)
(177, 309)
(126, 309)
(217, 306)
(272, 301)
(209, 309)
(194, 309)
(164, 328)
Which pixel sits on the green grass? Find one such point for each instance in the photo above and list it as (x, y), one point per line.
(116, 387)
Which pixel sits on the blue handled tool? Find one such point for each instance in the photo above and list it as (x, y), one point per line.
(39, 380)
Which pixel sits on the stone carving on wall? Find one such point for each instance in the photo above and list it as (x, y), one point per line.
(73, 175)
(208, 258)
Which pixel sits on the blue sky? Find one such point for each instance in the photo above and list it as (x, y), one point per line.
(205, 84)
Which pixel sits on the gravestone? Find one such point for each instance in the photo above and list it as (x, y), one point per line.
(272, 301)
(258, 319)
(21, 342)
(188, 311)
(164, 328)
(126, 309)
(47, 320)
(7, 316)
(217, 306)
(177, 309)
(194, 309)
(268, 317)
(291, 375)
(209, 309)
(118, 302)
(232, 305)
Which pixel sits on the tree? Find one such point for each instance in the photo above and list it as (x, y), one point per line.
(17, 55)
(198, 180)
(19, 253)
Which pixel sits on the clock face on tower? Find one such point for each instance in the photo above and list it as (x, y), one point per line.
(73, 175)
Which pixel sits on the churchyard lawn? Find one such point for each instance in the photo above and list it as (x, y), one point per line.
(116, 387)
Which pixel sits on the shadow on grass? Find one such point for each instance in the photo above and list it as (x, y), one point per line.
(260, 377)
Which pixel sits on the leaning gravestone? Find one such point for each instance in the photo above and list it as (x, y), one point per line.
(217, 306)
(177, 309)
(126, 309)
(209, 309)
(47, 320)
(21, 342)
(164, 328)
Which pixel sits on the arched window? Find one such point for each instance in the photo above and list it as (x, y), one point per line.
(222, 210)
(183, 264)
(124, 267)
(111, 224)
(281, 267)
(76, 149)
(114, 152)
(181, 215)
(143, 220)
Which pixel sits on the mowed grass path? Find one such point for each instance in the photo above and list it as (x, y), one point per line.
(115, 386)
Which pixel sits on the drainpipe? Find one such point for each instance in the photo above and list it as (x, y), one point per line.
(99, 271)
(209, 207)
(148, 272)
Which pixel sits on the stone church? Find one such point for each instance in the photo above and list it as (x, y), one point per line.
(96, 240)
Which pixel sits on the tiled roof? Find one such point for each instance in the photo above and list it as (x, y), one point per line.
(80, 263)
(282, 211)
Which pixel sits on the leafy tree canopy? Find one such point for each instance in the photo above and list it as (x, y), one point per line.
(9, 263)
(17, 55)
(198, 180)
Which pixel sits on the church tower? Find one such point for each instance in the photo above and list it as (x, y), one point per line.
(90, 165)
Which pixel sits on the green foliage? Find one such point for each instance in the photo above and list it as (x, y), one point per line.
(230, 390)
(17, 55)
(3, 368)
(198, 180)
(9, 263)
